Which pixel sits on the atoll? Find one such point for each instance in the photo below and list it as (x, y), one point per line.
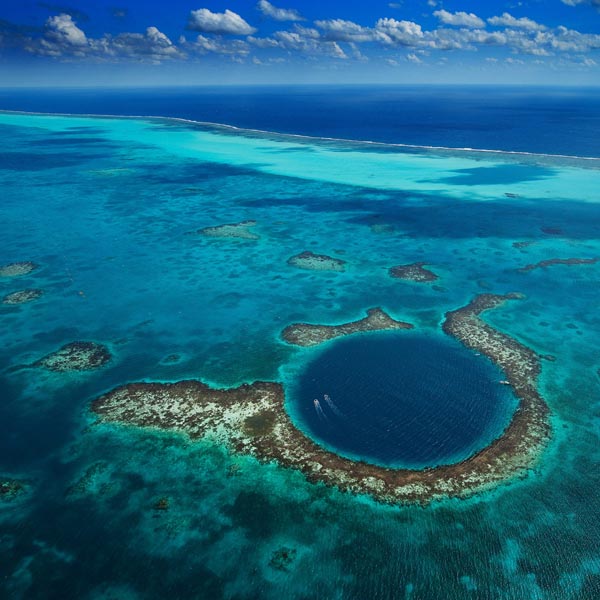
(316, 262)
(231, 230)
(17, 269)
(11, 489)
(76, 356)
(306, 334)
(413, 272)
(559, 261)
(22, 296)
(251, 419)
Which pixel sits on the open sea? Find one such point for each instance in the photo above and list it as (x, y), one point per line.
(475, 182)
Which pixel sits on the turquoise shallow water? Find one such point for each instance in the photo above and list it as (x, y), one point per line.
(106, 207)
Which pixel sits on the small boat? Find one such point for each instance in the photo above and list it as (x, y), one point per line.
(504, 382)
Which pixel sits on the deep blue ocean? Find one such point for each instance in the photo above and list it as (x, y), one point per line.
(111, 211)
(544, 120)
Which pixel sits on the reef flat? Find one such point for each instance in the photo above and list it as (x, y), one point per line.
(251, 419)
(306, 334)
(17, 269)
(559, 261)
(22, 296)
(231, 230)
(316, 262)
(76, 356)
(413, 272)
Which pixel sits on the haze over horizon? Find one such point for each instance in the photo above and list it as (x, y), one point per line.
(553, 42)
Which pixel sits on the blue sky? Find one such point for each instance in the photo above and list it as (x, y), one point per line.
(135, 42)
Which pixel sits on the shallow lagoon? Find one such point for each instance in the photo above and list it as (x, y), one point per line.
(110, 214)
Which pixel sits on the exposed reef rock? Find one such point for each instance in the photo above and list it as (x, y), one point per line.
(413, 272)
(305, 334)
(22, 296)
(559, 261)
(11, 489)
(523, 244)
(283, 558)
(17, 269)
(161, 504)
(89, 481)
(316, 262)
(231, 230)
(252, 419)
(551, 230)
(76, 356)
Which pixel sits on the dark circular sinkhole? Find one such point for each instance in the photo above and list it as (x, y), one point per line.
(403, 400)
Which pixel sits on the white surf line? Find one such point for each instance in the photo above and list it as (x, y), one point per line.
(304, 137)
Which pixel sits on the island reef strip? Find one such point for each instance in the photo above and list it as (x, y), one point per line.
(252, 419)
(413, 272)
(316, 262)
(306, 334)
(22, 296)
(559, 261)
(76, 356)
(231, 230)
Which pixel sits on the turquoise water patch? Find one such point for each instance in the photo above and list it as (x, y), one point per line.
(499, 174)
(122, 263)
(401, 400)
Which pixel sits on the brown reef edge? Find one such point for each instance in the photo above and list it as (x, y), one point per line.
(252, 419)
(559, 261)
(413, 272)
(306, 334)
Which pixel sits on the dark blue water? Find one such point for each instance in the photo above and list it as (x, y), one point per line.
(531, 119)
(402, 399)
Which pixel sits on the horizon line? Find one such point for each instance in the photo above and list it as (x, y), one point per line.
(303, 84)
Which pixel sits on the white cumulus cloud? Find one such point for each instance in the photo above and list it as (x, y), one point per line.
(507, 20)
(204, 45)
(404, 33)
(461, 19)
(576, 2)
(279, 14)
(63, 30)
(152, 46)
(226, 22)
(346, 31)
